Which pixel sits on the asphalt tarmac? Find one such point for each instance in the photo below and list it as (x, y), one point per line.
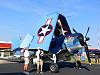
(65, 68)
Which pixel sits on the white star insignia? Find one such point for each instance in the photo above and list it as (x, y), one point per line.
(44, 30)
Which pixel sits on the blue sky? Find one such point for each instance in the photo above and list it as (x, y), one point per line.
(19, 17)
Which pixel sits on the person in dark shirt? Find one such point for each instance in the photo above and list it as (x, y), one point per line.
(96, 57)
(78, 61)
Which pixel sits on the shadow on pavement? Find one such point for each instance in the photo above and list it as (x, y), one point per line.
(18, 73)
(72, 65)
(66, 64)
(86, 68)
(60, 65)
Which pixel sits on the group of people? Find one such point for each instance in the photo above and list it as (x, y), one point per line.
(39, 55)
(39, 60)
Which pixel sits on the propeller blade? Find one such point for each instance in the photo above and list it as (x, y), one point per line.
(87, 52)
(75, 30)
(87, 31)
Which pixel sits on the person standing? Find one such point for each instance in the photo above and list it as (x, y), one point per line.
(39, 55)
(96, 57)
(26, 60)
(78, 61)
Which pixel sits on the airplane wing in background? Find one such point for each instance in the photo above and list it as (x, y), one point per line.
(18, 44)
(15, 44)
(27, 41)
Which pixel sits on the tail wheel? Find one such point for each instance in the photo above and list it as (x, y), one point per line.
(54, 68)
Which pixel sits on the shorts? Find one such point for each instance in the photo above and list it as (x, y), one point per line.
(26, 60)
(39, 60)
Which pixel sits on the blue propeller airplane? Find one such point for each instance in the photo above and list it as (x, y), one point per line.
(54, 36)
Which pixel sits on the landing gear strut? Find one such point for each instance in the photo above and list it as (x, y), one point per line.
(54, 65)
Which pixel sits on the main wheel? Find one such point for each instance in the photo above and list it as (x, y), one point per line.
(54, 68)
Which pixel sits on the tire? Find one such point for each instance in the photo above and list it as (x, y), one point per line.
(54, 68)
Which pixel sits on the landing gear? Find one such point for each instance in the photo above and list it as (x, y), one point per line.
(54, 68)
(54, 65)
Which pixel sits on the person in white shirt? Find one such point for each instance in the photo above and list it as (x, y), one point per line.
(39, 54)
(26, 59)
